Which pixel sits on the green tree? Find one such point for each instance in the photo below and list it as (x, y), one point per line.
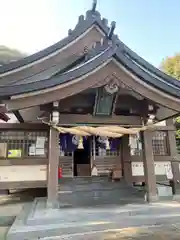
(171, 66)
(8, 55)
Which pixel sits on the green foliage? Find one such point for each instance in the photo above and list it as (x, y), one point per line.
(178, 134)
(171, 66)
(178, 120)
(8, 55)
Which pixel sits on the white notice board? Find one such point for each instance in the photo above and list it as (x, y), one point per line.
(23, 173)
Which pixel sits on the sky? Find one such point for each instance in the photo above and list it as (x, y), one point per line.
(149, 27)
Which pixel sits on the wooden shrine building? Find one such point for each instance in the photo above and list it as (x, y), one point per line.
(87, 81)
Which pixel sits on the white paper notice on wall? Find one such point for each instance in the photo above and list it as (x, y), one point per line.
(169, 173)
(23, 173)
(38, 148)
(160, 168)
(40, 142)
(137, 169)
(32, 150)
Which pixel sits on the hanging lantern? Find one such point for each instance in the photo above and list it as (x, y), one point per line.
(107, 144)
(80, 145)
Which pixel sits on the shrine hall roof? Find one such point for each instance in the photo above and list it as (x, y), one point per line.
(111, 48)
(88, 64)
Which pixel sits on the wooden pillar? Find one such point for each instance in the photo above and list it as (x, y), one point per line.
(149, 171)
(52, 188)
(126, 159)
(174, 159)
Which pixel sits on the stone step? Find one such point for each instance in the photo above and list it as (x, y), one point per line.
(82, 180)
(92, 185)
(93, 192)
(91, 198)
(87, 180)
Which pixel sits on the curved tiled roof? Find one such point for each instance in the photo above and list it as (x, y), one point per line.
(146, 76)
(47, 73)
(119, 50)
(89, 65)
(56, 80)
(140, 61)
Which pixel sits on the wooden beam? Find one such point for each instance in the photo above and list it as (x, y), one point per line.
(4, 117)
(18, 116)
(70, 119)
(24, 126)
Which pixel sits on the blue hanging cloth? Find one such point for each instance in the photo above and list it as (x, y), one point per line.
(63, 142)
(85, 141)
(114, 143)
(73, 141)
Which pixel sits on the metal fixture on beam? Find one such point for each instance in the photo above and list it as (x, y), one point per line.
(55, 113)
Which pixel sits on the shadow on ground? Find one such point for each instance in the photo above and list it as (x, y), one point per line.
(22, 196)
(10, 206)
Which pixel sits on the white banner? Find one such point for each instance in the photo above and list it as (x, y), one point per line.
(23, 173)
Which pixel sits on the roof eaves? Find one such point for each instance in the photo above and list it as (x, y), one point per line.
(48, 73)
(150, 67)
(70, 75)
(145, 76)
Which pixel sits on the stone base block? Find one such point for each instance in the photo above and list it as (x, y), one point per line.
(176, 197)
(164, 191)
(151, 198)
(36, 221)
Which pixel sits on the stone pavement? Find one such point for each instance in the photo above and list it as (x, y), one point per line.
(161, 232)
(164, 232)
(130, 221)
(10, 207)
